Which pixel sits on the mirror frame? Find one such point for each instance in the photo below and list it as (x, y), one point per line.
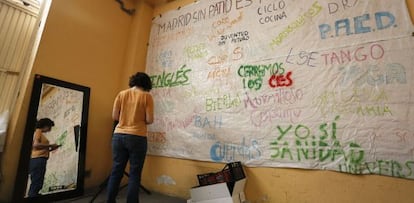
(25, 152)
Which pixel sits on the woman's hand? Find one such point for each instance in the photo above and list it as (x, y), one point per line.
(53, 147)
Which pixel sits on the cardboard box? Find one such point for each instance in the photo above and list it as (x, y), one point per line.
(219, 193)
(231, 172)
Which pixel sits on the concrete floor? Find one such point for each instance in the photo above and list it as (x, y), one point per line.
(144, 198)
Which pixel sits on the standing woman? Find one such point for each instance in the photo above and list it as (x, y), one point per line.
(40, 154)
(134, 109)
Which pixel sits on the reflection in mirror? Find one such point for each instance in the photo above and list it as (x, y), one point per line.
(53, 151)
(63, 106)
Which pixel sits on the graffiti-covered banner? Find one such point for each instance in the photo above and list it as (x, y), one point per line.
(276, 83)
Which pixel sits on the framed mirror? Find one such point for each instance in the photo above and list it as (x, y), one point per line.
(57, 119)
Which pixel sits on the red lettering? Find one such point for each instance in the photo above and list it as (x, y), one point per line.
(372, 52)
(364, 56)
(281, 80)
(380, 51)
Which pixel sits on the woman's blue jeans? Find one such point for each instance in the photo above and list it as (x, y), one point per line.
(127, 147)
(37, 175)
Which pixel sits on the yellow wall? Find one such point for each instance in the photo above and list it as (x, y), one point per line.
(135, 59)
(410, 5)
(84, 42)
(279, 185)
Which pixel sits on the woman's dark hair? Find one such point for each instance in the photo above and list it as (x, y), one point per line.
(44, 122)
(142, 80)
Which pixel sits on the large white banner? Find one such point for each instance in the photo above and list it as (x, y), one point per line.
(303, 84)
